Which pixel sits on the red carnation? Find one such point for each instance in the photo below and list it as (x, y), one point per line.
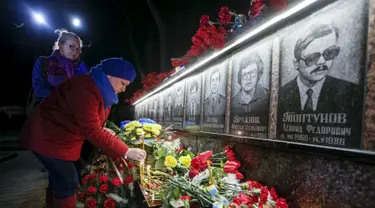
(279, 5)
(103, 188)
(204, 21)
(193, 172)
(128, 180)
(93, 175)
(109, 203)
(91, 190)
(81, 196)
(233, 163)
(186, 197)
(131, 165)
(281, 203)
(85, 179)
(103, 178)
(263, 195)
(239, 175)
(229, 169)
(273, 194)
(116, 182)
(256, 8)
(253, 184)
(230, 154)
(224, 15)
(91, 203)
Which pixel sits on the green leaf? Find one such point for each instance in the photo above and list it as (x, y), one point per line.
(222, 164)
(186, 153)
(159, 164)
(176, 193)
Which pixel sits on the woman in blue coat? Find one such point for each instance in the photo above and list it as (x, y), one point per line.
(49, 72)
(62, 64)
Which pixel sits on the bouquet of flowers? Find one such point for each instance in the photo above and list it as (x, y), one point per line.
(143, 127)
(106, 183)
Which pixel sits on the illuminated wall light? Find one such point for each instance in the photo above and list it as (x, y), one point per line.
(240, 40)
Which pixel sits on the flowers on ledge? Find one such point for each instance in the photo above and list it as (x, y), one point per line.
(175, 176)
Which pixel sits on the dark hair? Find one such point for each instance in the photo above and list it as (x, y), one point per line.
(214, 71)
(247, 60)
(313, 32)
(194, 84)
(65, 35)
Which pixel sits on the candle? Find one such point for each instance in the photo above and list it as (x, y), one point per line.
(209, 170)
(143, 140)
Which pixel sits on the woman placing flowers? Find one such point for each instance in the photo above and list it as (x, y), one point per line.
(73, 112)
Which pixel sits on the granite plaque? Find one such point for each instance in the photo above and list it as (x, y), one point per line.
(214, 103)
(250, 101)
(178, 91)
(168, 107)
(322, 62)
(193, 98)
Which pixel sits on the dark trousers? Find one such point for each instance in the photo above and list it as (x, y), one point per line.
(63, 178)
(86, 158)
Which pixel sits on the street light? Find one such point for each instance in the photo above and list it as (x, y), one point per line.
(76, 22)
(39, 18)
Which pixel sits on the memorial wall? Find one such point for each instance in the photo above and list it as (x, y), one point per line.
(295, 101)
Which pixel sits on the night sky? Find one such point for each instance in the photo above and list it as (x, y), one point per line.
(109, 27)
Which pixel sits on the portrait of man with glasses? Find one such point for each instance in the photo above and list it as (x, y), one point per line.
(313, 89)
(316, 107)
(251, 97)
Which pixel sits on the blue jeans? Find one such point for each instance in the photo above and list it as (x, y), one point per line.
(62, 176)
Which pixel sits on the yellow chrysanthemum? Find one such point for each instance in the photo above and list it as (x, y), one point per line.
(155, 132)
(170, 161)
(185, 160)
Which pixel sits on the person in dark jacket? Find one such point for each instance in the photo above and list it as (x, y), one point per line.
(49, 72)
(71, 113)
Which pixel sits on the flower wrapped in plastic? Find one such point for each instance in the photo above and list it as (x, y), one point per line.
(145, 127)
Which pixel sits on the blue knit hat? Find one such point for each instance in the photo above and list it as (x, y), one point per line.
(117, 67)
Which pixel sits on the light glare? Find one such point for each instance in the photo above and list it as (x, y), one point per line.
(39, 18)
(76, 22)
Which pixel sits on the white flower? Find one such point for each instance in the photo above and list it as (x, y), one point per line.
(197, 180)
(117, 198)
(177, 203)
(231, 179)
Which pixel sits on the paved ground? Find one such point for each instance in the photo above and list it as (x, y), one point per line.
(22, 184)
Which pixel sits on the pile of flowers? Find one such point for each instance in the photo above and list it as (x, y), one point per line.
(181, 178)
(175, 176)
